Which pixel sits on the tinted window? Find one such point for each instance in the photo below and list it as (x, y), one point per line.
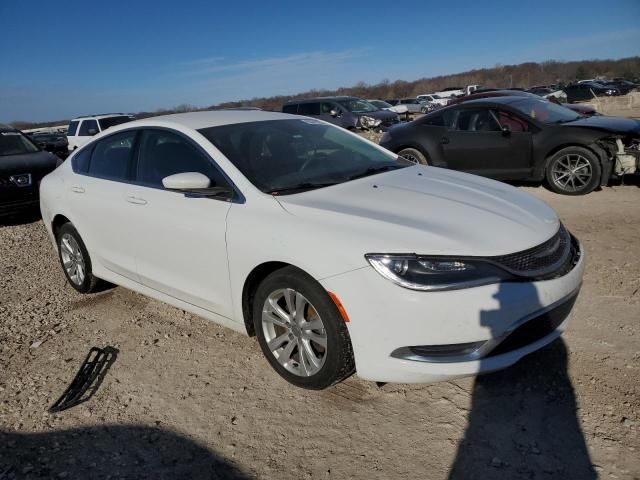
(112, 156)
(326, 107)
(309, 109)
(164, 153)
(514, 123)
(113, 121)
(73, 128)
(290, 108)
(80, 162)
(87, 125)
(545, 112)
(477, 120)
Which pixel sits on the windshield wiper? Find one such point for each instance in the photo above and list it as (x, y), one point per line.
(373, 170)
(301, 187)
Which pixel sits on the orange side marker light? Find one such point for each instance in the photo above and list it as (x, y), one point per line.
(338, 303)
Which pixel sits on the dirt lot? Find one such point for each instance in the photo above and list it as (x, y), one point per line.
(186, 398)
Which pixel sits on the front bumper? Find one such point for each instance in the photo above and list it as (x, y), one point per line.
(386, 318)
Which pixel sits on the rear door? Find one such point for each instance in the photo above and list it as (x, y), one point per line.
(180, 239)
(476, 143)
(98, 206)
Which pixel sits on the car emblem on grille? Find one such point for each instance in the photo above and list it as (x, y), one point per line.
(549, 250)
(21, 180)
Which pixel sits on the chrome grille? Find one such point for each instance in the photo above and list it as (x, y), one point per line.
(541, 260)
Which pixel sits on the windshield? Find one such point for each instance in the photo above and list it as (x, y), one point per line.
(14, 143)
(356, 105)
(380, 104)
(545, 112)
(288, 156)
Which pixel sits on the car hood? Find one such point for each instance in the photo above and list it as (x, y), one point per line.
(623, 126)
(28, 163)
(380, 114)
(424, 210)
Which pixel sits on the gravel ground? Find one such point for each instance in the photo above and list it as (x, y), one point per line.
(186, 398)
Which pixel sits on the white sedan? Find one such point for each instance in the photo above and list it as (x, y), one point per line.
(338, 255)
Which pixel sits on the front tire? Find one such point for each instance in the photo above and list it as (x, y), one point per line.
(414, 156)
(75, 260)
(573, 171)
(300, 330)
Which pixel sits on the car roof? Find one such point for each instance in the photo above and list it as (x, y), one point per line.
(312, 99)
(493, 100)
(98, 117)
(206, 119)
(7, 128)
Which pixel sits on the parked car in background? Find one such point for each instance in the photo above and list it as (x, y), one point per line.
(346, 112)
(587, 91)
(490, 93)
(335, 261)
(55, 143)
(414, 105)
(382, 105)
(433, 98)
(547, 92)
(451, 92)
(81, 129)
(522, 138)
(624, 86)
(22, 166)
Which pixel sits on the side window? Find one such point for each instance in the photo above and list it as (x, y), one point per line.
(515, 124)
(309, 109)
(80, 162)
(290, 108)
(88, 128)
(73, 128)
(111, 158)
(476, 120)
(164, 153)
(326, 107)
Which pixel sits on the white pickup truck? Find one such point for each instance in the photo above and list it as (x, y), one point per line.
(457, 91)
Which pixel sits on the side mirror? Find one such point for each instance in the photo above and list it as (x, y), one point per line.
(333, 112)
(506, 130)
(92, 131)
(187, 181)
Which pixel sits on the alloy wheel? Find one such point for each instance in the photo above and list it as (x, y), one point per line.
(294, 332)
(72, 259)
(571, 172)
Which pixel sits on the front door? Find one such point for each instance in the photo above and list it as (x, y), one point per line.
(180, 239)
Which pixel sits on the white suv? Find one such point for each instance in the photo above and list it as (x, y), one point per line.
(81, 129)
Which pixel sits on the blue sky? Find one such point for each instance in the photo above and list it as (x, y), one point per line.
(68, 58)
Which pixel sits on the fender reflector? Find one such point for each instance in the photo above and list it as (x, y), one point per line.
(341, 309)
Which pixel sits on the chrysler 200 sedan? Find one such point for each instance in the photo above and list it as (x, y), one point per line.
(338, 255)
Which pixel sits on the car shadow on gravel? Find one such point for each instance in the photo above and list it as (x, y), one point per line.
(22, 218)
(110, 451)
(523, 420)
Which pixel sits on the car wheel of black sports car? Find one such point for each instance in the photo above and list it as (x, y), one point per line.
(573, 171)
(413, 155)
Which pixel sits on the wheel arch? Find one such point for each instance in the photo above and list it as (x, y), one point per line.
(251, 283)
(57, 222)
(599, 152)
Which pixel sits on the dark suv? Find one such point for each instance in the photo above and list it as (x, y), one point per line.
(346, 112)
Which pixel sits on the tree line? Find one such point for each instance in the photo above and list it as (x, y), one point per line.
(506, 76)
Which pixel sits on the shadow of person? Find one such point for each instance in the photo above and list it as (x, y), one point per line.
(110, 451)
(523, 422)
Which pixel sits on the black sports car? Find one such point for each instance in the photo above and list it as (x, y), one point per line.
(22, 166)
(522, 138)
(52, 142)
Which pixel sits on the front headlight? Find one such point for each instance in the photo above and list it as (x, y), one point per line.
(369, 122)
(435, 273)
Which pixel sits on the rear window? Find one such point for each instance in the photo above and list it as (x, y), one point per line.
(290, 108)
(73, 128)
(112, 156)
(113, 121)
(88, 128)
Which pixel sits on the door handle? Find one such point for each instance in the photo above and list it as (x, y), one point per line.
(136, 200)
(444, 140)
(77, 189)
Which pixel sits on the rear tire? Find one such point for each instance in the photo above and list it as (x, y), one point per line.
(75, 260)
(573, 171)
(300, 330)
(414, 156)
